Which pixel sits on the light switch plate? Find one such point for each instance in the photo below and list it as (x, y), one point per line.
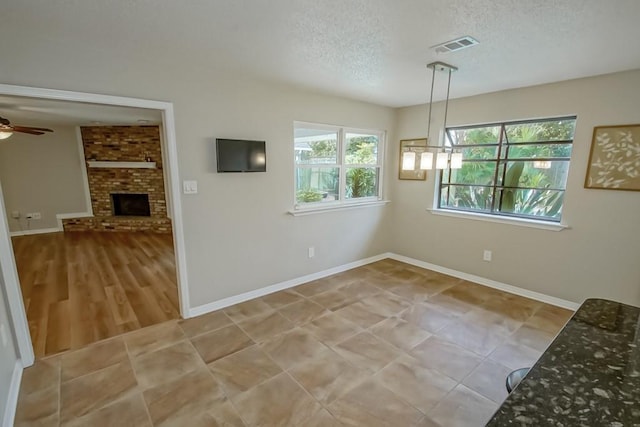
(190, 187)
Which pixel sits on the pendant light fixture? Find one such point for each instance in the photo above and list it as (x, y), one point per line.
(444, 156)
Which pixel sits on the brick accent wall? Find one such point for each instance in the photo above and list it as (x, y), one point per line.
(123, 144)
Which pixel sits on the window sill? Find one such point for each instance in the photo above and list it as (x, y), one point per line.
(339, 207)
(521, 222)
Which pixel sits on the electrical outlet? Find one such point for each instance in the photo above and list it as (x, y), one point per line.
(36, 215)
(312, 251)
(486, 256)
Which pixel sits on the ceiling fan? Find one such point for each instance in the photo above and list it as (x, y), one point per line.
(7, 129)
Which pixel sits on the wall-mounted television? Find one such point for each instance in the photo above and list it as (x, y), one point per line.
(241, 155)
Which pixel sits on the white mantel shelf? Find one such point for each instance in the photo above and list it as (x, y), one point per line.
(121, 165)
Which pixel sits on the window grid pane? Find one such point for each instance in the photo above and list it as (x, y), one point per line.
(512, 169)
(336, 165)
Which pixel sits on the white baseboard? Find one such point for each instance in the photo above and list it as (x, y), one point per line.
(236, 299)
(12, 398)
(488, 282)
(36, 231)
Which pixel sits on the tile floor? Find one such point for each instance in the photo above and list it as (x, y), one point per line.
(387, 344)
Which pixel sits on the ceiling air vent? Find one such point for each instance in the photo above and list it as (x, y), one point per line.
(457, 44)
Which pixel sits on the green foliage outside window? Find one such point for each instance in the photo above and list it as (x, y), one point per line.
(501, 172)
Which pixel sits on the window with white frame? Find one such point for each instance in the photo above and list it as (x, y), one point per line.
(516, 169)
(336, 165)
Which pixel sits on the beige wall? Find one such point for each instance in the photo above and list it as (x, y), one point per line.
(238, 234)
(41, 174)
(597, 257)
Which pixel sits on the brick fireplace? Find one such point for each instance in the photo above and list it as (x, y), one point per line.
(126, 181)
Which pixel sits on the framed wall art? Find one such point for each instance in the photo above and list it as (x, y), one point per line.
(614, 161)
(412, 171)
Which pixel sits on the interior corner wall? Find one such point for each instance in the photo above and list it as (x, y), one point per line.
(596, 257)
(41, 174)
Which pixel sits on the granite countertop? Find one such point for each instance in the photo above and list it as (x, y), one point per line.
(589, 376)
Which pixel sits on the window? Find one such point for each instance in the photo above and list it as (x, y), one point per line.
(516, 169)
(336, 165)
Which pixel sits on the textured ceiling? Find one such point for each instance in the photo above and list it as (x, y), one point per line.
(371, 50)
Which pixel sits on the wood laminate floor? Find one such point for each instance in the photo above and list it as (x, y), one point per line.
(82, 287)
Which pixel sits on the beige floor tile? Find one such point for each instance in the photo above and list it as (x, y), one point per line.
(549, 318)
(333, 300)
(266, 326)
(387, 265)
(385, 304)
(400, 333)
(205, 323)
(436, 283)
(92, 358)
(512, 306)
(187, 396)
(328, 376)
(360, 314)
(411, 291)
(446, 357)
(315, 332)
(223, 342)
(535, 338)
(317, 287)
(38, 408)
(277, 402)
(153, 338)
(322, 418)
(331, 329)
(282, 298)
(515, 355)
(245, 310)
(128, 412)
(293, 347)
(164, 365)
(489, 380)
(225, 414)
(429, 317)
(221, 414)
(426, 422)
(421, 387)
(373, 404)
(366, 351)
(359, 289)
(472, 336)
(469, 293)
(500, 324)
(243, 370)
(463, 408)
(93, 391)
(303, 312)
(451, 304)
(41, 375)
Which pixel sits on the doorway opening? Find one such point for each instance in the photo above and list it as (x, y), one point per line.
(104, 243)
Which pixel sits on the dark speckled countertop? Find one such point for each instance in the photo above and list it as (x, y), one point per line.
(589, 376)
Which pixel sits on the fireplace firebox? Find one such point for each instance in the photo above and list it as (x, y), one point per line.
(127, 204)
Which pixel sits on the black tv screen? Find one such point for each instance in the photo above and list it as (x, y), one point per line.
(240, 155)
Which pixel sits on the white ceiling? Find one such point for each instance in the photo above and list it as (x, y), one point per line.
(370, 50)
(45, 112)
